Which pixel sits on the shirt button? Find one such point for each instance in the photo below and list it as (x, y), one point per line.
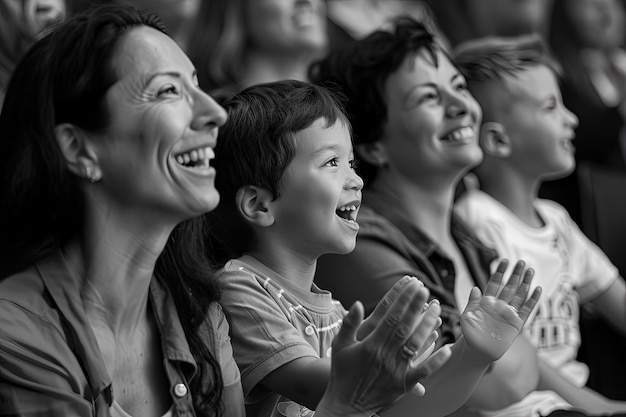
(309, 330)
(444, 273)
(180, 390)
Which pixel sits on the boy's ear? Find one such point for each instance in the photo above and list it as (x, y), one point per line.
(254, 204)
(494, 140)
(79, 153)
(373, 153)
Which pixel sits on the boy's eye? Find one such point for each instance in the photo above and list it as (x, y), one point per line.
(550, 105)
(332, 163)
(354, 163)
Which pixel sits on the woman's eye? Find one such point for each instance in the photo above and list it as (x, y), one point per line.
(429, 97)
(168, 90)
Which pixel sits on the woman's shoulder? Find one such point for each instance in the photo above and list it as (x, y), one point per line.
(24, 290)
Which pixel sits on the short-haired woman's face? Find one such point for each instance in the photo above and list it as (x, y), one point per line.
(155, 154)
(432, 119)
(36, 15)
(286, 26)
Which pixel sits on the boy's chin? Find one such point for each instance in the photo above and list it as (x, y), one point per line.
(345, 249)
(560, 173)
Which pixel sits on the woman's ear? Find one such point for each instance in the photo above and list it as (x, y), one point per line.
(79, 155)
(254, 204)
(373, 153)
(494, 140)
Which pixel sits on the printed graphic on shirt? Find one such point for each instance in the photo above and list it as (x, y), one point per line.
(554, 330)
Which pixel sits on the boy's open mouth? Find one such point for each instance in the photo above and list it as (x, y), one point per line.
(347, 212)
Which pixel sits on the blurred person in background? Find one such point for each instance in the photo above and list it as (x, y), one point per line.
(238, 43)
(21, 23)
(176, 15)
(463, 20)
(351, 20)
(587, 38)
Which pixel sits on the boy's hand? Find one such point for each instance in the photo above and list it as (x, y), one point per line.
(491, 322)
(373, 373)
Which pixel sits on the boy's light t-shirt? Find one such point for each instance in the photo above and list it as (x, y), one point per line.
(569, 267)
(273, 322)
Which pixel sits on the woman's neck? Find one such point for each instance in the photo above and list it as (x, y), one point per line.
(428, 206)
(117, 260)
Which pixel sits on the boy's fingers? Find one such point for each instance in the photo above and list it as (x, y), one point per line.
(425, 349)
(420, 339)
(493, 285)
(529, 305)
(394, 327)
(430, 365)
(510, 288)
(349, 326)
(522, 290)
(383, 305)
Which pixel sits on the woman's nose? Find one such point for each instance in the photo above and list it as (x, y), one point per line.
(456, 106)
(207, 112)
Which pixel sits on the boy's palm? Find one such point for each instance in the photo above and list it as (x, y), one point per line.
(491, 322)
(371, 371)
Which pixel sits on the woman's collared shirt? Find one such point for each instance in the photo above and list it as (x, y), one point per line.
(50, 362)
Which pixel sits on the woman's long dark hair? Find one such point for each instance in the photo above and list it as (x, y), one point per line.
(63, 79)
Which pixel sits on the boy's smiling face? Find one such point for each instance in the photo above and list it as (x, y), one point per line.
(432, 119)
(539, 125)
(321, 193)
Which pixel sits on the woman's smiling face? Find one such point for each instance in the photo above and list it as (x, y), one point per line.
(432, 119)
(155, 154)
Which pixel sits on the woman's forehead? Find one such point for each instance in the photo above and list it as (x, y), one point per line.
(145, 50)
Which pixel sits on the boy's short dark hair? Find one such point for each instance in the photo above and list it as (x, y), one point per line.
(492, 58)
(361, 71)
(256, 145)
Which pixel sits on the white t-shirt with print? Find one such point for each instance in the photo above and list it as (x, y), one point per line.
(569, 267)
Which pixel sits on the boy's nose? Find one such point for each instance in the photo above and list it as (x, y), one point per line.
(354, 182)
(571, 118)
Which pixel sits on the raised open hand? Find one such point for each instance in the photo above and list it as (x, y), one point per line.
(491, 322)
(374, 372)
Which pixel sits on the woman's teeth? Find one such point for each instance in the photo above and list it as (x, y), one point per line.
(196, 157)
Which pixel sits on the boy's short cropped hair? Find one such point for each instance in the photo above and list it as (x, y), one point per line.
(492, 58)
(256, 145)
(361, 71)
